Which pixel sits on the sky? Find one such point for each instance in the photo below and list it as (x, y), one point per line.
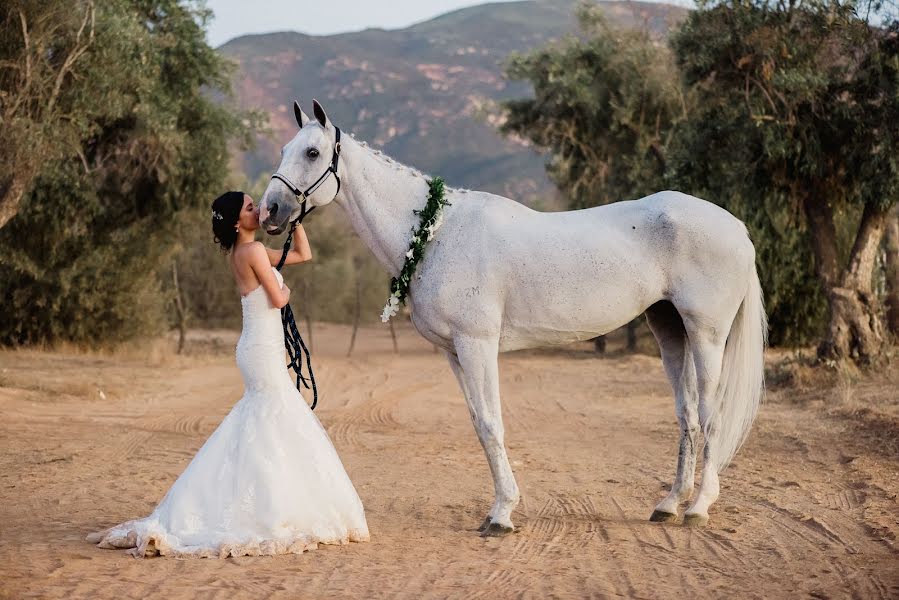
(324, 17)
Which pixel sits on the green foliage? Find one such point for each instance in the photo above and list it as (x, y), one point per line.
(780, 106)
(801, 97)
(799, 109)
(604, 106)
(84, 256)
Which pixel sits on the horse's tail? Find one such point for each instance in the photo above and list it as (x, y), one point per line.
(742, 383)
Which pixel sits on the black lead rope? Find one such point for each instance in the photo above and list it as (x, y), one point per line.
(292, 339)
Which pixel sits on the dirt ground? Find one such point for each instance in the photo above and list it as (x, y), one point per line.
(808, 508)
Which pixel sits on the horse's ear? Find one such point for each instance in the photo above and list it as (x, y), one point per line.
(302, 119)
(319, 113)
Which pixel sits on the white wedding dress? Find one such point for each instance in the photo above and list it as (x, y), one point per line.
(267, 481)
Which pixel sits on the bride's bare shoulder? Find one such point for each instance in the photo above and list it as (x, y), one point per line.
(249, 253)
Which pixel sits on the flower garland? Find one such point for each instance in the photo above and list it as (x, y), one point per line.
(431, 219)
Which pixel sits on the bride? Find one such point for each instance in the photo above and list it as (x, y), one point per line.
(268, 480)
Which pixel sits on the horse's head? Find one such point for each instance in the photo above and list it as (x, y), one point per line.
(304, 172)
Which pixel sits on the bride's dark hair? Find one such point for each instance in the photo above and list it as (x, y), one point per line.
(225, 214)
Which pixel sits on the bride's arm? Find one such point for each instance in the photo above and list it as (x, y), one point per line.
(259, 262)
(300, 252)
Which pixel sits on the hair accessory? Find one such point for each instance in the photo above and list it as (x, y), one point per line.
(216, 215)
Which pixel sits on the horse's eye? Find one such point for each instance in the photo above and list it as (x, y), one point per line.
(312, 153)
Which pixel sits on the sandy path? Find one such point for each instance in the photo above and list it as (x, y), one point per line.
(808, 509)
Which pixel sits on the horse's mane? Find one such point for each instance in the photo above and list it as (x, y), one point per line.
(395, 164)
(388, 160)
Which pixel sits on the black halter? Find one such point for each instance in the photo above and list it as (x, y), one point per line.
(304, 195)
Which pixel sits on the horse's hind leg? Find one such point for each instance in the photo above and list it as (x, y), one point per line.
(475, 365)
(707, 349)
(668, 328)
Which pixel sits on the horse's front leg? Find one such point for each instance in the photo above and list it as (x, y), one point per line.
(475, 365)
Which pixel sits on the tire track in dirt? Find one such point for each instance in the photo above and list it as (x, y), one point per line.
(719, 548)
(560, 522)
(672, 552)
(342, 423)
(530, 545)
(188, 424)
(119, 449)
(535, 393)
(817, 535)
(378, 411)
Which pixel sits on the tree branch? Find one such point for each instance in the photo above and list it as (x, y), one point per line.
(77, 51)
(864, 250)
(26, 84)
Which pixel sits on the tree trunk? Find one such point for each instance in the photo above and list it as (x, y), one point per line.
(892, 272)
(819, 215)
(11, 193)
(855, 331)
(179, 309)
(358, 307)
(396, 348)
(632, 336)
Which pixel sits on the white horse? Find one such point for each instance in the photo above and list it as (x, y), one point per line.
(499, 276)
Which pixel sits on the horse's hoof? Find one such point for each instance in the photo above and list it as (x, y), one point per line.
(483, 527)
(497, 530)
(660, 516)
(695, 520)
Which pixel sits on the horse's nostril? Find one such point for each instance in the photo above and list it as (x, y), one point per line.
(273, 210)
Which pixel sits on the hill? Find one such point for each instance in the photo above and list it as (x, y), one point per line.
(425, 94)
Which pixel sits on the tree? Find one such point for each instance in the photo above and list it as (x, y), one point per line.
(85, 254)
(604, 105)
(799, 115)
(41, 53)
(891, 275)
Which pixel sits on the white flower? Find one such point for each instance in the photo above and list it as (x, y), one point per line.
(435, 225)
(426, 233)
(390, 309)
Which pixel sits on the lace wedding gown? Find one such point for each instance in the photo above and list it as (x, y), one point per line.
(267, 481)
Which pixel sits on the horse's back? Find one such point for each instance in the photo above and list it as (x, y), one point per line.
(662, 212)
(666, 232)
(556, 277)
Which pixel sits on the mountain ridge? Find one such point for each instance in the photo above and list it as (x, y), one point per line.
(425, 94)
